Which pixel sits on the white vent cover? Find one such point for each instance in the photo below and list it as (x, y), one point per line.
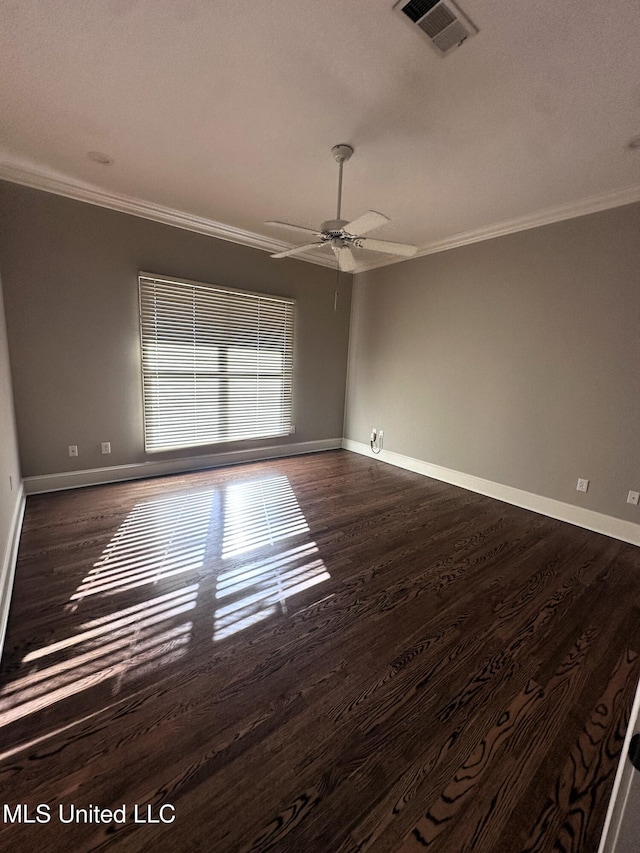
(443, 23)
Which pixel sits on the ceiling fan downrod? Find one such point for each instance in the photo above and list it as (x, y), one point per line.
(341, 153)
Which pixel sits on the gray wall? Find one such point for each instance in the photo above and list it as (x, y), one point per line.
(516, 359)
(70, 277)
(9, 467)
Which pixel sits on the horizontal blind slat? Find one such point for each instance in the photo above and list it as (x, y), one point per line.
(217, 364)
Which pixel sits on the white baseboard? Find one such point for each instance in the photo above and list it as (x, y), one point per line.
(160, 467)
(617, 528)
(8, 564)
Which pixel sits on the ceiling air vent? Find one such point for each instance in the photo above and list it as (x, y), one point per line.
(443, 23)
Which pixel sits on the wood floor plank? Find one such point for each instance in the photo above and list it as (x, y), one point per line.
(567, 820)
(322, 653)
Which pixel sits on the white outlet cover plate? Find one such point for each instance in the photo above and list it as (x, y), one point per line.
(582, 486)
(633, 498)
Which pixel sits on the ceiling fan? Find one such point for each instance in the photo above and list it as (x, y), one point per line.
(341, 235)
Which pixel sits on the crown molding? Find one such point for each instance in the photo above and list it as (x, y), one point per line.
(572, 210)
(148, 210)
(91, 194)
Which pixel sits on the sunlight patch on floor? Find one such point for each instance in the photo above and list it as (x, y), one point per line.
(158, 539)
(260, 513)
(180, 541)
(260, 590)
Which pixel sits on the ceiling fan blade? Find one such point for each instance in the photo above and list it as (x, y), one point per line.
(301, 229)
(346, 261)
(403, 249)
(367, 222)
(297, 249)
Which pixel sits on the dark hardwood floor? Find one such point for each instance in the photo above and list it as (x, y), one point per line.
(323, 653)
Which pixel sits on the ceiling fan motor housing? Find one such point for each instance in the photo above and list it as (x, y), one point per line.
(333, 226)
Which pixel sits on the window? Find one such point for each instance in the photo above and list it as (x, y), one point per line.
(217, 364)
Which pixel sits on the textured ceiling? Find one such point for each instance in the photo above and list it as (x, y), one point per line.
(228, 112)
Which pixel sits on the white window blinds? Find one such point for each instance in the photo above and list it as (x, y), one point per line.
(217, 364)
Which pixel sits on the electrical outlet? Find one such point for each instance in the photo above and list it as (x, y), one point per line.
(106, 447)
(73, 450)
(583, 485)
(633, 498)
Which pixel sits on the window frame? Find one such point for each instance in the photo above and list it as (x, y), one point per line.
(285, 375)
